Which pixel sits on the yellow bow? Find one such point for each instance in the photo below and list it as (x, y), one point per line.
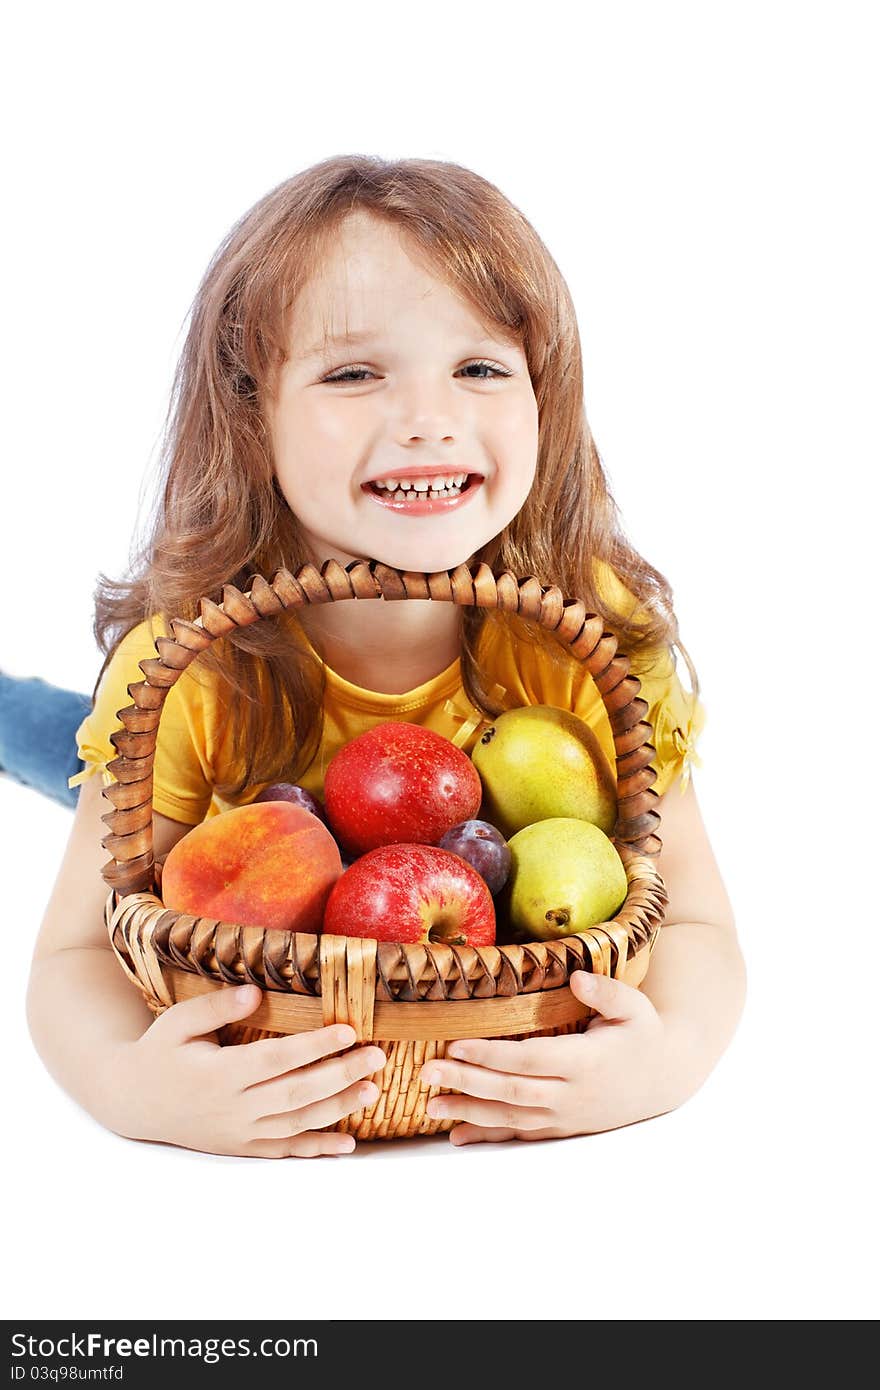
(472, 717)
(685, 742)
(89, 771)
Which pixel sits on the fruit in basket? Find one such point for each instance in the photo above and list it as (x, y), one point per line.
(398, 783)
(566, 875)
(409, 893)
(539, 762)
(296, 795)
(484, 848)
(267, 865)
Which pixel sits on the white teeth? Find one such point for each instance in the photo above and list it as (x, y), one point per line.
(448, 485)
(421, 484)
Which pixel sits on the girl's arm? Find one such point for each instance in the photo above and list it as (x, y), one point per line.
(696, 979)
(167, 1079)
(79, 1003)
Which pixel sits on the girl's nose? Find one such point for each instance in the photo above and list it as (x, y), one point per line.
(432, 426)
(425, 409)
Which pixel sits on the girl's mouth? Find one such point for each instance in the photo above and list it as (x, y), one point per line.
(421, 496)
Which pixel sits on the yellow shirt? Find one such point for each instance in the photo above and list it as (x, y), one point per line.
(192, 751)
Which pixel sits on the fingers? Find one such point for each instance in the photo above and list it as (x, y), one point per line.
(476, 1134)
(490, 1113)
(531, 1057)
(260, 1061)
(510, 1088)
(305, 1086)
(615, 1000)
(301, 1146)
(321, 1113)
(193, 1018)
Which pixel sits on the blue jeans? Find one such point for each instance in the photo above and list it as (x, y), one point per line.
(38, 724)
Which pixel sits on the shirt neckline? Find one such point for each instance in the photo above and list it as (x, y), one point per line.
(359, 697)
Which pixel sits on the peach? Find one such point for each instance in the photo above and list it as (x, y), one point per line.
(270, 864)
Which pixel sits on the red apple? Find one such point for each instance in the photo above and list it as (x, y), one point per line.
(409, 893)
(398, 783)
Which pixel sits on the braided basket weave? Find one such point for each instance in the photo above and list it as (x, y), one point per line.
(408, 999)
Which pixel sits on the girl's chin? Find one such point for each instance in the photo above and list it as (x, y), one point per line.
(427, 558)
(417, 561)
(423, 564)
(425, 555)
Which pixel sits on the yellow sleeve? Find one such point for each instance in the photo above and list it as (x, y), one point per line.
(182, 773)
(677, 718)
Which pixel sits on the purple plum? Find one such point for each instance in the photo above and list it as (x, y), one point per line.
(483, 847)
(298, 796)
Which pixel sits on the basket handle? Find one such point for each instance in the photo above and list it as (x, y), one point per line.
(130, 840)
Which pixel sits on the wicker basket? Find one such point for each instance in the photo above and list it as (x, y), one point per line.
(410, 1000)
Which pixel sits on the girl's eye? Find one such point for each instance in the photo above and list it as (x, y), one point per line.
(350, 373)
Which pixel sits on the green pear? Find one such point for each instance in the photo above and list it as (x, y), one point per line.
(565, 876)
(538, 761)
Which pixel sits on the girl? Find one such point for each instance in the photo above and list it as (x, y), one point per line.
(369, 334)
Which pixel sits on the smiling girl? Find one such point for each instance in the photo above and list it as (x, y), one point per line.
(382, 363)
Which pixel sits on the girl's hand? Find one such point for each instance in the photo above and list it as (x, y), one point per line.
(574, 1083)
(265, 1099)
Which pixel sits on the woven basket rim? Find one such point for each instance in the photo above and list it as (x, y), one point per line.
(272, 958)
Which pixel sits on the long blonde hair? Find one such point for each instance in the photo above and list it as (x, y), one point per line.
(221, 517)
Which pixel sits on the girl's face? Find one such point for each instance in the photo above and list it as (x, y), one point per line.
(423, 397)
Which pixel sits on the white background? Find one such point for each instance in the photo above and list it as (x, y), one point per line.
(705, 177)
